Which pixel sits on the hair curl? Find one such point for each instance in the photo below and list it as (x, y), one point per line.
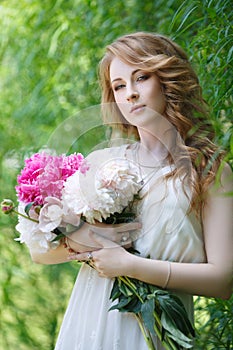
(185, 106)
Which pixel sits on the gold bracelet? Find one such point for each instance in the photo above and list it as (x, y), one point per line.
(168, 275)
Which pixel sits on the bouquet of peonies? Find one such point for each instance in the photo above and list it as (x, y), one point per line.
(51, 204)
(39, 191)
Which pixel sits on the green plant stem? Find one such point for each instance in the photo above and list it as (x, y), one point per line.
(24, 216)
(146, 334)
(127, 281)
(157, 327)
(169, 345)
(171, 342)
(172, 346)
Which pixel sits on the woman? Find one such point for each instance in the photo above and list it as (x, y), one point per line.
(185, 226)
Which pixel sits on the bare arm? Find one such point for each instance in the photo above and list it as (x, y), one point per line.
(81, 241)
(213, 278)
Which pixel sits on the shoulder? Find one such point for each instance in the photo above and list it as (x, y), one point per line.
(223, 182)
(220, 194)
(227, 176)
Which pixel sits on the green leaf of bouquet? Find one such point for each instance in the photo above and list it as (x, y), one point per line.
(169, 323)
(123, 301)
(174, 309)
(155, 291)
(125, 290)
(115, 292)
(120, 218)
(127, 304)
(174, 333)
(114, 307)
(147, 312)
(163, 333)
(58, 237)
(28, 207)
(183, 344)
(181, 324)
(71, 228)
(132, 250)
(142, 289)
(134, 306)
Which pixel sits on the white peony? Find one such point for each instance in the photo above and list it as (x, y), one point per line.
(54, 214)
(114, 187)
(31, 235)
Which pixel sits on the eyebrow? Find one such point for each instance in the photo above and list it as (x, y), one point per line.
(133, 73)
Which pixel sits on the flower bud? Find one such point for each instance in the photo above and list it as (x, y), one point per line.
(7, 206)
(37, 209)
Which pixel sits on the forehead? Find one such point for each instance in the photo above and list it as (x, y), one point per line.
(120, 70)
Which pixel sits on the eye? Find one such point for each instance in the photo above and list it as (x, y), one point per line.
(143, 77)
(118, 87)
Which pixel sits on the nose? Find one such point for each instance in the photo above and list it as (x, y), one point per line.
(133, 96)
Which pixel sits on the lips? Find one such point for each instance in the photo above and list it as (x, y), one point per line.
(137, 108)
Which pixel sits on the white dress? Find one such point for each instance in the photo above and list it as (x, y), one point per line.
(168, 233)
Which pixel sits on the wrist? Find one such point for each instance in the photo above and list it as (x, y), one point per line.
(156, 272)
(130, 265)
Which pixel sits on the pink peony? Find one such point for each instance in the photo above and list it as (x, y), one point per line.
(44, 175)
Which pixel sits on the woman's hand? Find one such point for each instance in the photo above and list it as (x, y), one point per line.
(123, 234)
(110, 260)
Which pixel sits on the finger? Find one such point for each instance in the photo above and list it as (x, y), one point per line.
(125, 240)
(129, 226)
(124, 237)
(127, 244)
(102, 241)
(86, 256)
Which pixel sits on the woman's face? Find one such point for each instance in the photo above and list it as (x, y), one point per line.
(137, 93)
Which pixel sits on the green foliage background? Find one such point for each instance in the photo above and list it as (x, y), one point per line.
(49, 51)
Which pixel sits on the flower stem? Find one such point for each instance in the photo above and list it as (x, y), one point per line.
(168, 344)
(127, 281)
(146, 335)
(157, 327)
(25, 216)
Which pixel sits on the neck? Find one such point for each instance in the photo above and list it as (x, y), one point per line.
(157, 148)
(157, 135)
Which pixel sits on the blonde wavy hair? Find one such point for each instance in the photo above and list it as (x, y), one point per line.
(185, 106)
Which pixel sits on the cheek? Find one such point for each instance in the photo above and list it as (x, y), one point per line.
(161, 99)
(158, 99)
(123, 109)
(118, 97)
(120, 101)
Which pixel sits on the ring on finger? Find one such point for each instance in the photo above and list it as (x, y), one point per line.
(89, 256)
(124, 238)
